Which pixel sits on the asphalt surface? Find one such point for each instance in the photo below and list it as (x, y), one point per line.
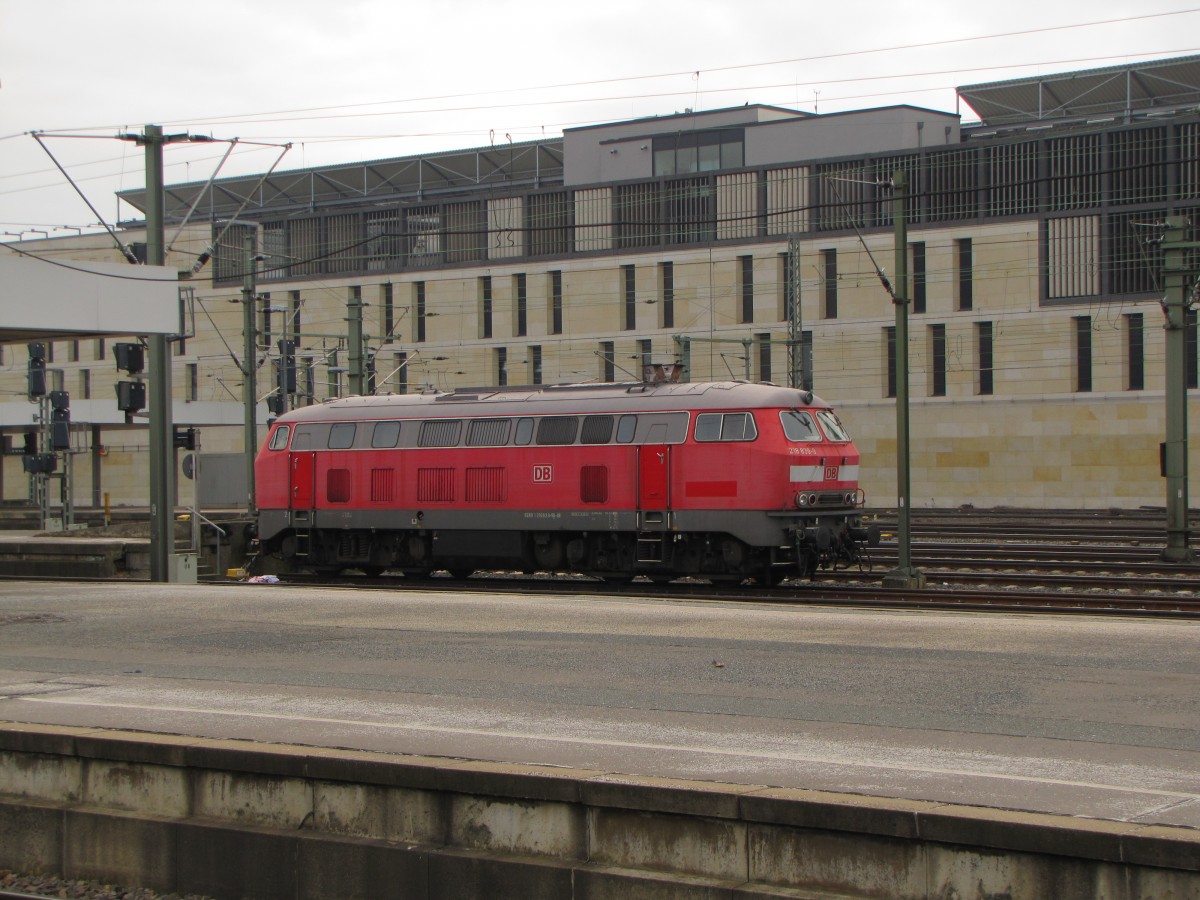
(1069, 715)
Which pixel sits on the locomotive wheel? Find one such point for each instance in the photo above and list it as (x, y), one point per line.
(372, 571)
(460, 574)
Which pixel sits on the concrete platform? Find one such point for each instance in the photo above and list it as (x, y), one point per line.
(1015, 740)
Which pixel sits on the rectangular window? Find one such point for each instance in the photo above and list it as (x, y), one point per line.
(73, 353)
(535, 364)
(746, 289)
(1135, 353)
(917, 272)
(293, 326)
(983, 338)
(629, 315)
(419, 310)
(889, 375)
(501, 355)
(385, 435)
(485, 306)
(556, 302)
(389, 311)
(400, 378)
(608, 365)
(101, 348)
(520, 306)
(666, 294)
(829, 278)
(937, 359)
(85, 384)
(964, 271)
(192, 375)
(764, 356)
(645, 354)
(341, 435)
(1083, 353)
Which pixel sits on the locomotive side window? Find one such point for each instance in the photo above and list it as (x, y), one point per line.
(626, 429)
(386, 434)
(597, 430)
(311, 437)
(834, 429)
(280, 438)
(557, 430)
(488, 432)
(440, 433)
(341, 435)
(524, 432)
(725, 427)
(799, 426)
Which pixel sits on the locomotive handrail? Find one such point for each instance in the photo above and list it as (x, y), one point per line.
(198, 520)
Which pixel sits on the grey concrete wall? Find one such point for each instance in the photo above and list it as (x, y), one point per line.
(238, 819)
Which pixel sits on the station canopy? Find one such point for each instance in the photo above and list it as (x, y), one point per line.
(1116, 91)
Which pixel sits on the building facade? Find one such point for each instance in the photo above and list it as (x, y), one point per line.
(743, 243)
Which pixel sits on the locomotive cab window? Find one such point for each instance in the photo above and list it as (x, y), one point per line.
(798, 426)
(834, 429)
(524, 432)
(280, 438)
(725, 427)
(341, 435)
(626, 429)
(386, 434)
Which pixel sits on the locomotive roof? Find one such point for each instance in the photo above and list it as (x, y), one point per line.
(563, 399)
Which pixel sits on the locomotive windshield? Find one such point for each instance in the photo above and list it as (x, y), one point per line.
(799, 426)
(834, 429)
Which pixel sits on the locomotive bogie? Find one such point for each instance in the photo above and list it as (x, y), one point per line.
(723, 481)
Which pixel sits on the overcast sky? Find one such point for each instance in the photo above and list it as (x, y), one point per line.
(350, 80)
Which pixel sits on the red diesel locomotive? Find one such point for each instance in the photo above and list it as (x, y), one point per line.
(724, 481)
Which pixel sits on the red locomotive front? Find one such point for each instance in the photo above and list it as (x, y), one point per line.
(723, 480)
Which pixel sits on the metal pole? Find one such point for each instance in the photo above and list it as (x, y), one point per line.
(162, 450)
(1175, 450)
(249, 366)
(904, 575)
(795, 320)
(354, 330)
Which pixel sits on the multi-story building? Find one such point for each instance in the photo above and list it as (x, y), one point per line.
(1036, 347)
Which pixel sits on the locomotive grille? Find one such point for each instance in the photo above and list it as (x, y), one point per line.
(831, 498)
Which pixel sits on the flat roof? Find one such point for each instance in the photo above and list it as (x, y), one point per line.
(1110, 91)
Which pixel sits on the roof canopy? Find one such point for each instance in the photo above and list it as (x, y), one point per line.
(1113, 91)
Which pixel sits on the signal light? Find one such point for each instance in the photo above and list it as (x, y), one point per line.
(131, 358)
(37, 370)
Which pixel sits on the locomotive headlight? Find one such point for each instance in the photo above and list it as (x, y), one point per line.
(801, 499)
(849, 498)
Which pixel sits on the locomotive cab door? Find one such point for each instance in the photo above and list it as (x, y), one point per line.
(303, 479)
(654, 487)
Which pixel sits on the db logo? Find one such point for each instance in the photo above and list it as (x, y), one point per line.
(831, 473)
(543, 474)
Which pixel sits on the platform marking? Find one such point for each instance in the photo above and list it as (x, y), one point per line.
(633, 745)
